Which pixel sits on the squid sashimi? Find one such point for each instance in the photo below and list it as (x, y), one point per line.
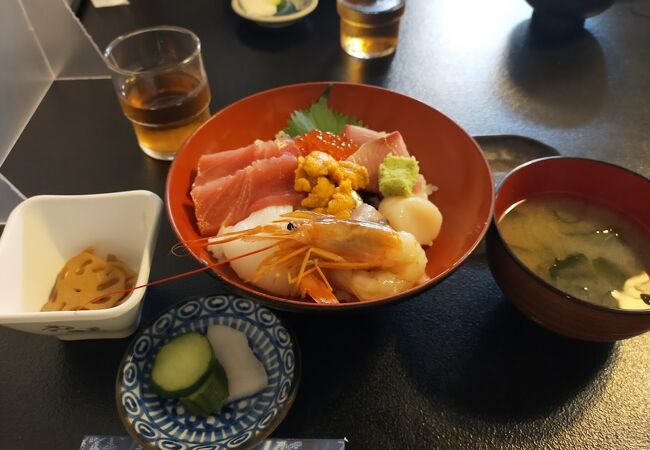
(372, 154)
(246, 268)
(227, 200)
(216, 165)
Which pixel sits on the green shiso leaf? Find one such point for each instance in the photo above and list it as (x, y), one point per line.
(318, 116)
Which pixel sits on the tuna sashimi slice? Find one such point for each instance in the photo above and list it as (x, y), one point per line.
(372, 154)
(216, 165)
(228, 200)
(360, 135)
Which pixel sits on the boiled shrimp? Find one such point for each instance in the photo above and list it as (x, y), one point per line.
(319, 254)
(405, 268)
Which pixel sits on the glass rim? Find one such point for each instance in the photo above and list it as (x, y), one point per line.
(122, 38)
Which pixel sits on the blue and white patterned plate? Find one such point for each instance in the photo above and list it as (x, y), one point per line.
(156, 422)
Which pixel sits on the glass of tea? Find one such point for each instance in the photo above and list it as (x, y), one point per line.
(161, 85)
(369, 28)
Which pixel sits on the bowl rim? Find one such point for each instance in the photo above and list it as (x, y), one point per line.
(277, 302)
(131, 301)
(311, 6)
(539, 279)
(298, 368)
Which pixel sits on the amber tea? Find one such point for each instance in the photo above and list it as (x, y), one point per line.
(369, 28)
(165, 110)
(161, 85)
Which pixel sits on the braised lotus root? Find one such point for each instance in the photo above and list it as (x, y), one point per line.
(86, 282)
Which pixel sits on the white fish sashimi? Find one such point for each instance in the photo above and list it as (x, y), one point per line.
(246, 267)
(246, 375)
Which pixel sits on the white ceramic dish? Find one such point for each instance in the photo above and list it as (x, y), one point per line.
(43, 232)
(306, 7)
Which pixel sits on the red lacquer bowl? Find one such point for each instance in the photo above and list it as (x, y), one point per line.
(606, 184)
(449, 158)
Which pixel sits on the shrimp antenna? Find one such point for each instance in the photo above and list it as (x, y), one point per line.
(181, 275)
(180, 248)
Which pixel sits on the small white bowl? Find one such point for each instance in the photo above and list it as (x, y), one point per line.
(276, 21)
(43, 232)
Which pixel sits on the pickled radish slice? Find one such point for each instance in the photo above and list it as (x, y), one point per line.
(246, 375)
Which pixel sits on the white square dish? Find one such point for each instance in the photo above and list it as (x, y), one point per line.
(43, 232)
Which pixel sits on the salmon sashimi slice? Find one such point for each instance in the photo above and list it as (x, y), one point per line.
(360, 135)
(216, 165)
(372, 154)
(230, 199)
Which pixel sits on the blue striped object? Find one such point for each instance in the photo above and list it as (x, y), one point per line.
(163, 423)
(126, 443)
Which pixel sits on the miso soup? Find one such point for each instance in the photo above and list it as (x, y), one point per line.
(584, 249)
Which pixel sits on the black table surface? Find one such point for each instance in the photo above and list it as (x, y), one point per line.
(455, 367)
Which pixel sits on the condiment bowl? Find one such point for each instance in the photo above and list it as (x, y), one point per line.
(43, 232)
(305, 7)
(159, 423)
(449, 158)
(608, 185)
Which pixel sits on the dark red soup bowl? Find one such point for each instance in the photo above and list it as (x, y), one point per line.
(608, 185)
(449, 158)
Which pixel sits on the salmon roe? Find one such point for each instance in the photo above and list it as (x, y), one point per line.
(339, 147)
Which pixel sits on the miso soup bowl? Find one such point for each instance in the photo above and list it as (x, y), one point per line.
(606, 184)
(45, 231)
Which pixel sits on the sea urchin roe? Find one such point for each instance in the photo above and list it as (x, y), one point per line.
(330, 184)
(339, 147)
(86, 277)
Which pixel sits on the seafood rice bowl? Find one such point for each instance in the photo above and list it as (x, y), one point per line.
(333, 208)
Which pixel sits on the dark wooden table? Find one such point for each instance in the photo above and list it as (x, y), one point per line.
(455, 367)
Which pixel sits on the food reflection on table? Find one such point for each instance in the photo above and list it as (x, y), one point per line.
(328, 211)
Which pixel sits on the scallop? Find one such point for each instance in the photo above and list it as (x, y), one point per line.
(415, 215)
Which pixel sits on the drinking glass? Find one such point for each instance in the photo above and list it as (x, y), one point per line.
(161, 86)
(369, 28)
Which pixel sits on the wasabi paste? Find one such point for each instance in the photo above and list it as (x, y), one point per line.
(398, 175)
